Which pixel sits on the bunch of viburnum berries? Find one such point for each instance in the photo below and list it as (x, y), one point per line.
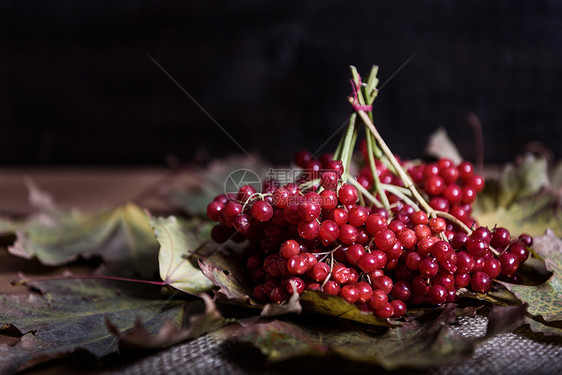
(397, 234)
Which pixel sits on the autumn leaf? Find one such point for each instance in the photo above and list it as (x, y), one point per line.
(522, 199)
(200, 322)
(545, 299)
(413, 345)
(122, 237)
(69, 316)
(178, 255)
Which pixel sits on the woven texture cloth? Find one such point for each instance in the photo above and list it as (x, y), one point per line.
(518, 352)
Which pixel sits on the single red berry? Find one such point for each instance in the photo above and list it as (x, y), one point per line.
(329, 232)
(289, 249)
(384, 283)
(331, 287)
(385, 239)
(349, 293)
(481, 282)
(399, 308)
(385, 312)
(308, 230)
(378, 300)
(348, 234)
(348, 194)
(328, 199)
(319, 272)
(262, 211)
(354, 253)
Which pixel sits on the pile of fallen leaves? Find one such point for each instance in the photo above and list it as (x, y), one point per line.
(162, 282)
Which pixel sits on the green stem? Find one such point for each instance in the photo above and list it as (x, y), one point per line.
(401, 173)
(376, 180)
(365, 192)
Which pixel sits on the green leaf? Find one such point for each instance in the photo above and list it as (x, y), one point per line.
(179, 255)
(545, 299)
(413, 345)
(521, 199)
(70, 314)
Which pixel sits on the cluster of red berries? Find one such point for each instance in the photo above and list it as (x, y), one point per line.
(321, 238)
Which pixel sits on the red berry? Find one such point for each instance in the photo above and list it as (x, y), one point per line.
(348, 194)
(319, 272)
(329, 232)
(328, 199)
(332, 287)
(354, 253)
(481, 282)
(385, 239)
(349, 293)
(289, 249)
(348, 234)
(378, 300)
(262, 211)
(297, 265)
(308, 230)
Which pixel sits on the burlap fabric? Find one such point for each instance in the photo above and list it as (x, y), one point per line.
(518, 352)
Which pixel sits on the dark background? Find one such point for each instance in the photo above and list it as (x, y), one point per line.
(77, 85)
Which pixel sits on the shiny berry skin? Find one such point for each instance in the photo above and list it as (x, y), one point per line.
(309, 210)
(468, 195)
(453, 193)
(401, 291)
(437, 294)
(385, 239)
(289, 249)
(281, 197)
(385, 312)
(408, 238)
(242, 223)
(509, 262)
(437, 225)
(340, 273)
(378, 300)
(365, 291)
(319, 272)
(375, 223)
(302, 157)
(476, 246)
(347, 194)
(449, 175)
(245, 193)
(295, 282)
(422, 231)
(297, 265)
(329, 180)
(440, 204)
(396, 225)
(368, 263)
(441, 250)
(465, 262)
(384, 283)
(349, 293)
(500, 238)
(262, 211)
(357, 215)
(339, 216)
(413, 260)
(214, 209)
(419, 218)
(481, 282)
(434, 185)
(526, 239)
(465, 169)
(308, 230)
(232, 209)
(492, 267)
(459, 240)
(348, 234)
(462, 280)
(399, 308)
(428, 267)
(476, 182)
(329, 232)
(424, 245)
(331, 287)
(328, 199)
(519, 250)
(354, 253)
